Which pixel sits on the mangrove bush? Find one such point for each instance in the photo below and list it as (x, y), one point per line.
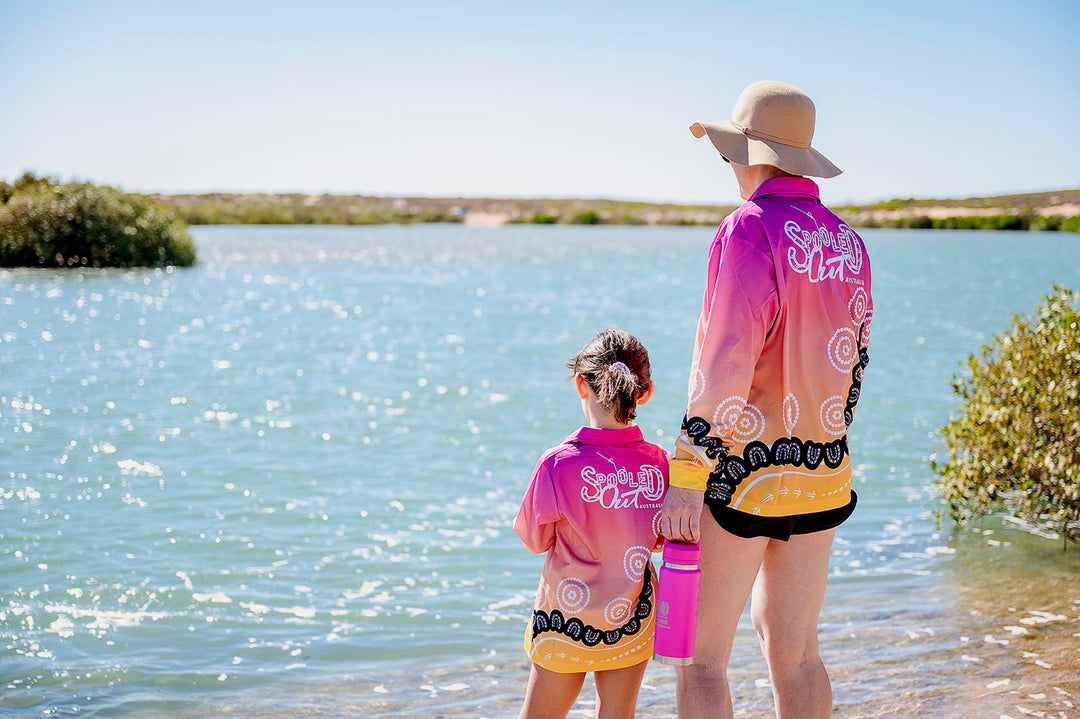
(1014, 446)
(45, 223)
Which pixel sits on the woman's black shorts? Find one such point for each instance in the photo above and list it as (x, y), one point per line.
(747, 526)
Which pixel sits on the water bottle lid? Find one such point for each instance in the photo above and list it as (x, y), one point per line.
(682, 552)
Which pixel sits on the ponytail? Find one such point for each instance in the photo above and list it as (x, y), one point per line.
(615, 365)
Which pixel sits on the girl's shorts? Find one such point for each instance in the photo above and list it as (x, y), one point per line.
(748, 526)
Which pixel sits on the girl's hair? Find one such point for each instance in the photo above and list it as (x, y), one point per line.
(615, 365)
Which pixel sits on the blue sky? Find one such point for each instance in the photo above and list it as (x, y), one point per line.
(552, 99)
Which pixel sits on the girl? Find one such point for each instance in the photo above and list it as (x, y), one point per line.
(593, 504)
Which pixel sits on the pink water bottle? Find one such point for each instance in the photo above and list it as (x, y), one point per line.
(677, 604)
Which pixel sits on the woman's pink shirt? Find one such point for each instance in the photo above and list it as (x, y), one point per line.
(778, 359)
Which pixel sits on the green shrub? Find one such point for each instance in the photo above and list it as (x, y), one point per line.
(1052, 223)
(588, 217)
(1011, 222)
(1015, 444)
(44, 223)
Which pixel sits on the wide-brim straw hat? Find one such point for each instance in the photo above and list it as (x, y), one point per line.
(772, 124)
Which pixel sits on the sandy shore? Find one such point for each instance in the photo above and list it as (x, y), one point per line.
(940, 212)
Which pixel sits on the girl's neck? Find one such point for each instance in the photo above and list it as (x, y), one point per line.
(598, 417)
(611, 424)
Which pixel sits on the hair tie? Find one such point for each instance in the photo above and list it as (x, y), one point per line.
(619, 366)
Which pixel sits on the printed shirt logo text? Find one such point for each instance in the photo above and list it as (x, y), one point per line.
(621, 489)
(822, 255)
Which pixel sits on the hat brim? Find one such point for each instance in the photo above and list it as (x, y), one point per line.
(737, 146)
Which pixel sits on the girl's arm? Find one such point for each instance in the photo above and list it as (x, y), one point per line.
(535, 522)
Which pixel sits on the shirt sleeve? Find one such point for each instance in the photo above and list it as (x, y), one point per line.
(535, 522)
(740, 305)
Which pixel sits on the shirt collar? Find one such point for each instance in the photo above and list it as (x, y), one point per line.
(787, 186)
(592, 435)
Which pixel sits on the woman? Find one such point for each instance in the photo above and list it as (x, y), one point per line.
(777, 369)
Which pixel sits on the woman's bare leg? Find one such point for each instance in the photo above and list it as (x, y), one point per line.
(550, 695)
(729, 565)
(617, 691)
(788, 594)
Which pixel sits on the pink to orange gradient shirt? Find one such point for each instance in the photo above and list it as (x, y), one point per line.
(593, 504)
(779, 357)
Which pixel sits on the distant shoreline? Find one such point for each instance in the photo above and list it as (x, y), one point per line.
(1056, 210)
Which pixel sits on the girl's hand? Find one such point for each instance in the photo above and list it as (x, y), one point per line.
(680, 518)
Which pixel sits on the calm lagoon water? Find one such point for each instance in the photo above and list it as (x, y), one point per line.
(281, 483)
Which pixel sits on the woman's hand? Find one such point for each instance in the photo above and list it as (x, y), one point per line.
(680, 519)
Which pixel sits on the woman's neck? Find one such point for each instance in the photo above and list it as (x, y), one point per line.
(751, 177)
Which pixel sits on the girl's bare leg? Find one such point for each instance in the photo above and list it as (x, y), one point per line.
(550, 695)
(617, 691)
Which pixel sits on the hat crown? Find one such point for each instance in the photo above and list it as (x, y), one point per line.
(776, 111)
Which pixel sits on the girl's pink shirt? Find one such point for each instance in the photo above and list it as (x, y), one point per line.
(593, 504)
(778, 358)
(600, 488)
